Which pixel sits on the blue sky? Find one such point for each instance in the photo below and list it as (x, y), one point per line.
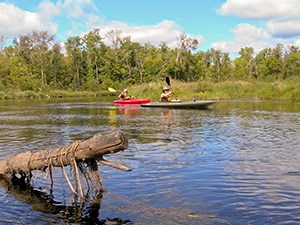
(227, 25)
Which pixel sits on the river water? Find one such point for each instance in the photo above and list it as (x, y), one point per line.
(237, 163)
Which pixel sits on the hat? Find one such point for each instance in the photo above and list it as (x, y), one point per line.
(125, 90)
(165, 88)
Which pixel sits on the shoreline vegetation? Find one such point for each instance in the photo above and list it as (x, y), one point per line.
(288, 89)
(37, 66)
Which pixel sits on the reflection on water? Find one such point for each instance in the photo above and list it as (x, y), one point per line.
(41, 202)
(235, 164)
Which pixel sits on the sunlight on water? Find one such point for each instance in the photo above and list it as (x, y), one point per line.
(235, 164)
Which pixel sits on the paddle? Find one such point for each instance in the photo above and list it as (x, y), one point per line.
(169, 83)
(111, 90)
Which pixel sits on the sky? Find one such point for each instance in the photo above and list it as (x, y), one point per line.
(226, 25)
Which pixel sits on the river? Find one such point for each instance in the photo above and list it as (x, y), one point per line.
(237, 163)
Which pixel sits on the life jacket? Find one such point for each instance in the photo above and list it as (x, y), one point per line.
(166, 99)
(127, 96)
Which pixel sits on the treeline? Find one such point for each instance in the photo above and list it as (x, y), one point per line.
(36, 61)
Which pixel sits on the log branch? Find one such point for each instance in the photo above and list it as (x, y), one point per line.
(114, 165)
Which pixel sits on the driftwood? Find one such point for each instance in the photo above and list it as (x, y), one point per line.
(82, 156)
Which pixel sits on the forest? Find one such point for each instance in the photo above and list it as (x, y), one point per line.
(37, 62)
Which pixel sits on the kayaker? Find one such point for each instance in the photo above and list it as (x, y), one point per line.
(165, 95)
(125, 95)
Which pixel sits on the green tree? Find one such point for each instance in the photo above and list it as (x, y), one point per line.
(292, 63)
(181, 65)
(261, 63)
(245, 64)
(93, 46)
(74, 48)
(216, 67)
(275, 62)
(226, 64)
(34, 49)
(59, 74)
(151, 64)
(129, 51)
(114, 67)
(201, 69)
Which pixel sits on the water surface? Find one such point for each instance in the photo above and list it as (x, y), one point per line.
(235, 164)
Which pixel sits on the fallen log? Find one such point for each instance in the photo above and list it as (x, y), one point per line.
(81, 155)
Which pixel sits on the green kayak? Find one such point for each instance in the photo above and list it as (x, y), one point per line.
(177, 104)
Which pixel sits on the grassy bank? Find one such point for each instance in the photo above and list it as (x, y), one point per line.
(277, 90)
(51, 94)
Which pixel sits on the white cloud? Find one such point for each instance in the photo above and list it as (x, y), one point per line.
(67, 8)
(77, 8)
(78, 17)
(14, 21)
(282, 16)
(79, 2)
(166, 31)
(48, 9)
(246, 35)
(262, 9)
(284, 29)
(72, 14)
(297, 43)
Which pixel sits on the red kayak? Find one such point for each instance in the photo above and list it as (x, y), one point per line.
(133, 101)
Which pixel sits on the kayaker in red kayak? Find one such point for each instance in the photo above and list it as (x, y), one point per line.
(124, 95)
(165, 95)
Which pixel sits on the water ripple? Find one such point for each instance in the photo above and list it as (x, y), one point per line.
(237, 164)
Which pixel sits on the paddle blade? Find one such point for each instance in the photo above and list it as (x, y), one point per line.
(168, 81)
(111, 89)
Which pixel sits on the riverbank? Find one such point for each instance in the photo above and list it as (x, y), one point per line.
(260, 90)
(51, 94)
(288, 89)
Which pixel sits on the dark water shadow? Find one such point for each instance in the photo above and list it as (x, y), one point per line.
(78, 212)
(88, 212)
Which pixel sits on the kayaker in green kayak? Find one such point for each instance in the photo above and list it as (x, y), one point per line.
(165, 95)
(124, 95)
